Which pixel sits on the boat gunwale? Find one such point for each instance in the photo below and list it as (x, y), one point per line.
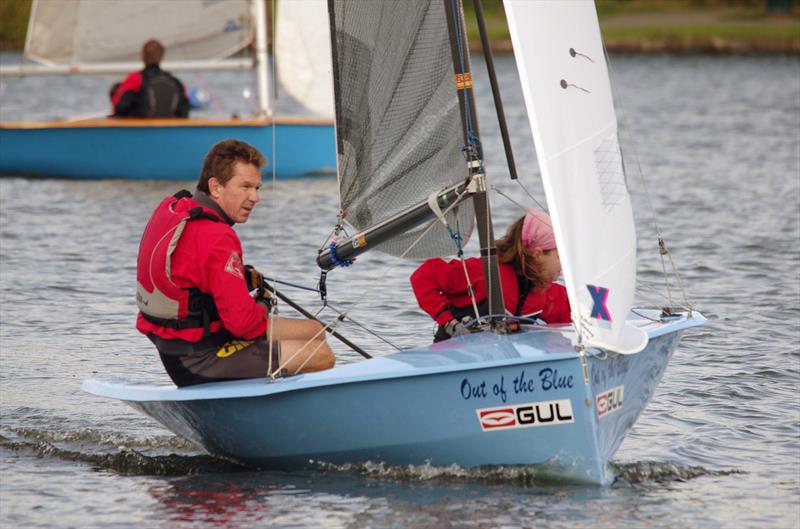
(114, 123)
(249, 388)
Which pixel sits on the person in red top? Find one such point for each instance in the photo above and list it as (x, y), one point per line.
(151, 92)
(193, 290)
(528, 263)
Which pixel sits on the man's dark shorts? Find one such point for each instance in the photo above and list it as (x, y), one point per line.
(216, 358)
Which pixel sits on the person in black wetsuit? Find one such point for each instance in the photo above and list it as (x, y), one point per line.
(151, 92)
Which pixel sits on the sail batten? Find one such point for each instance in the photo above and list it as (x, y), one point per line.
(560, 59)
(397, 118)
(588, 139)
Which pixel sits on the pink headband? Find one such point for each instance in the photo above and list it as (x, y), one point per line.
(537, 230)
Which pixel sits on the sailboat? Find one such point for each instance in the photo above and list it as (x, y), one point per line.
(97, 37)
(411, 176)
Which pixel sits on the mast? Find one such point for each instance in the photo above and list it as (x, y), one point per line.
(474, 154)
(260, 56)
(498, 101)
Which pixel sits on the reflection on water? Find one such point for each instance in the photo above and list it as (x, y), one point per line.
(719, 141)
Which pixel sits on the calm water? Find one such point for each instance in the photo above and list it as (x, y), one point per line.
(719, 446)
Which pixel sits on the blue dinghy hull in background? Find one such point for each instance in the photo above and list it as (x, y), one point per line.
(481, 399)
(160, 149)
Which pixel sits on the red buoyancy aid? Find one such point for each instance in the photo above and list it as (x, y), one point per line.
(159, 299)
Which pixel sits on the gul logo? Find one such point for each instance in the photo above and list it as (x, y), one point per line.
(497, 418)
(610, 401)
(544, 413)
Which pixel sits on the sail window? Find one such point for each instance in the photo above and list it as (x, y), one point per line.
(610, 173)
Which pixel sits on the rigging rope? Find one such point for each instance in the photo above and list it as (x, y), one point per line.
(362, 326)
(272, 308)
(520, 206)
(473, 150)
(663, 250)
(373, 284)
(457, 238)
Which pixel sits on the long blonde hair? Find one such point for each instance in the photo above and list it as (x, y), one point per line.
(511, 250)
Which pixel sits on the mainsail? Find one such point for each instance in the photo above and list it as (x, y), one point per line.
(565, 83)
(303, 53)
(70, 32)
(397, 117)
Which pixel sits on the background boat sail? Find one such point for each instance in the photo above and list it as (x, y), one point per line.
(104, 37)
(542, 396)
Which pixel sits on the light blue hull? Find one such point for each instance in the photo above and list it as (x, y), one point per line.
(159, 149)
(482, 399)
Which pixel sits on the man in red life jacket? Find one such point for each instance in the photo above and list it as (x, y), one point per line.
(152, 92)
(193, 290)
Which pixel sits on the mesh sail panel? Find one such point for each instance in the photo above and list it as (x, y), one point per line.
(398, 122)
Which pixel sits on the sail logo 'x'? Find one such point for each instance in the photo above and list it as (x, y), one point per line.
(599, 297)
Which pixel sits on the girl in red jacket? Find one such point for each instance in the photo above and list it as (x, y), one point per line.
(528, 262)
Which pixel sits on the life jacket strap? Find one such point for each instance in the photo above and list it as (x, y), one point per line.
(198, 212)
(523, 289)
(201, 312)
(185, 323)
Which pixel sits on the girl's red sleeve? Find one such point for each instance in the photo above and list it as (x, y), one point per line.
(434, 282)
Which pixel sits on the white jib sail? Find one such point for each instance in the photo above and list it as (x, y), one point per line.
(303, 53)
(562, 67)
(106, 31)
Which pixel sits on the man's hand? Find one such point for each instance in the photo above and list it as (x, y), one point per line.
(255, 281)
(253, 278)
(267, 298)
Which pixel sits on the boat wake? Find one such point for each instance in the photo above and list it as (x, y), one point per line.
(129, 458)
(519, 475)
(98, 438)
(629, 474)
(641, 472)
(149, 456)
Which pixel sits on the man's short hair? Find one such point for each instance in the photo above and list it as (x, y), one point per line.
(152, 52)
(222, 157)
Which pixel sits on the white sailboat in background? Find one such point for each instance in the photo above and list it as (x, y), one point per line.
(558, 397)
(104, 37)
